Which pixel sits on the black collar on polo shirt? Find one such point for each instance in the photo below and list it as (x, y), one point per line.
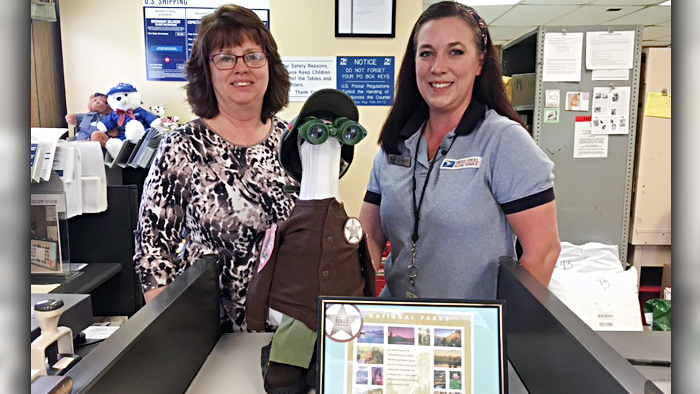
(474, 114)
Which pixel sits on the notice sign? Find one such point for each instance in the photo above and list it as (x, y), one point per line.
(586, 144)
(309, 74)
(171, 27)
(166, 43)
(369, 80)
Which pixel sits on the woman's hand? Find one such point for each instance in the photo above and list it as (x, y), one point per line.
(151, 294)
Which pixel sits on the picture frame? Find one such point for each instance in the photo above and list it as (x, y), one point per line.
(365, 18)
(377, 345)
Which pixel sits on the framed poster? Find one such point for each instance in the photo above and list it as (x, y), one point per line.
(365, 18)
(171, 27)
(377, 346)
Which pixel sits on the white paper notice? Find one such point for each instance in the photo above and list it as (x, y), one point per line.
(309, 74)
(587, 145)
(371, 16)
(364, 16)
(611, 75)
(551, 98)
(562, 57)
(609, 50)
(611, 109)
(99, 332)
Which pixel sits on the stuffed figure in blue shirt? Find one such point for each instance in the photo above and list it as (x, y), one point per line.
(86, 124)
(127, 116)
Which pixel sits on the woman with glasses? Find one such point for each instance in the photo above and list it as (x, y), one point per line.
(216, 182)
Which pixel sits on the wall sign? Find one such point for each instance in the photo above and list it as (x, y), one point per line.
(369, 80)
(308, 74)
(170, 28)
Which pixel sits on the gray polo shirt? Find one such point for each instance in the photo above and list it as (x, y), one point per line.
(493, 168)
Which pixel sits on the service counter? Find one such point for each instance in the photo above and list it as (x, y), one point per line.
(173, 345)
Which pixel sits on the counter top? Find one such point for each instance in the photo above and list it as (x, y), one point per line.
(235, 362)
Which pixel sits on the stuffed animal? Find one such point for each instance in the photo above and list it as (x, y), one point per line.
(86, 124)
(166, 122)
(158, 110)
(290, 275)
(127, 116)
(170, 122)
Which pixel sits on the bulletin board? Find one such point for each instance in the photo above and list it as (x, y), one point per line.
(593, 194)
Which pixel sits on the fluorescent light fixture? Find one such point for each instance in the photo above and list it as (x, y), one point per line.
(666, 3)
(489, 2)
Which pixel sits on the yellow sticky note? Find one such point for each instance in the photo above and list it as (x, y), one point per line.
(658, 105)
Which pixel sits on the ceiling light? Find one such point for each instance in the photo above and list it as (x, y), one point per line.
(489, 2)
(666, 3)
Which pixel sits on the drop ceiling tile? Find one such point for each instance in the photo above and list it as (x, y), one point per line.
(666, 23)
(628, 2)
(655, 32)
(491, 12)
(646, 16)
(532, 15)
(554, 2)
(592, 15)
(508, 33)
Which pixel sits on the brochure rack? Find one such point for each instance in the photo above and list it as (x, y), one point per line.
(50, 253)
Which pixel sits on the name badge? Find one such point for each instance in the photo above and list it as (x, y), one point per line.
(460, 164)
(398, 160)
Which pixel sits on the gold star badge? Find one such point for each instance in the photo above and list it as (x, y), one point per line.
(353, 231)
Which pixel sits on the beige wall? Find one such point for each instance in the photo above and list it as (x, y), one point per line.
(103, 43)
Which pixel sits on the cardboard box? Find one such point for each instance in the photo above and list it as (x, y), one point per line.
(523, 86)
(666, 276)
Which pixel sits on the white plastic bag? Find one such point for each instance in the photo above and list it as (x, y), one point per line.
(589, 257)
(590, 280)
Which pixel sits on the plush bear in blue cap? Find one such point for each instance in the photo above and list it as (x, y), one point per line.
(127, 116)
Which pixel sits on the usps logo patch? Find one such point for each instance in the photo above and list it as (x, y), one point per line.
(459, 164)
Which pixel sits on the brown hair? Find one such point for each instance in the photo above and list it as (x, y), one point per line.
(229, 26)
(488, 87)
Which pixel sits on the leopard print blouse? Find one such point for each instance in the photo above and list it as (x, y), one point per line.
(219, 198)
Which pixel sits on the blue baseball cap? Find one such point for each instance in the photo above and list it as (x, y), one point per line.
(121, 87)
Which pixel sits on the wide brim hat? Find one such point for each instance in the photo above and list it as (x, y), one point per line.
(322, 103)
(122, 87)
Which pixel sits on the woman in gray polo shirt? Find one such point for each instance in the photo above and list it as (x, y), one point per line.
(458, 177)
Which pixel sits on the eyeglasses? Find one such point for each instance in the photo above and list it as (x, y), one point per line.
(224, 61)
(315, 131)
